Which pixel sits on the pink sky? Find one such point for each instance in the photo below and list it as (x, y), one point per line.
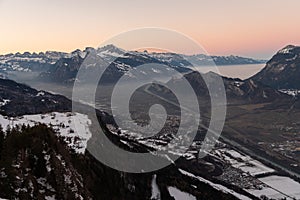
(253, 28)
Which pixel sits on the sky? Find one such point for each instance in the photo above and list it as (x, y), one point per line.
(256, 28)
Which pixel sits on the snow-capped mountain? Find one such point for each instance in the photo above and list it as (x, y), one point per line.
(202, 59)
(122, 62)
(63, 67)
(283, 70)
(119, 62)
(29, 61)
(173, 59)
(205, 60)
(110, 52)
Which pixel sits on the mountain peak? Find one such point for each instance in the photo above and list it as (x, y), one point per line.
(283, 70)
(288, 49)
(77, 52)
(111, 48)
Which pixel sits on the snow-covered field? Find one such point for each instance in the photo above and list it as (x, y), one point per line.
(282, 187)
(283, 184)
(268, 192)
(64, 123)
(216, 186)
(244, 162)
(275, 187)
(179, 195)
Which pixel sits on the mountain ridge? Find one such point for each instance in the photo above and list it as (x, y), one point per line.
(122, 61)
(282, 71)
(43, 61)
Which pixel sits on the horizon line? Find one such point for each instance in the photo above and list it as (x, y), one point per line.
(148, 49)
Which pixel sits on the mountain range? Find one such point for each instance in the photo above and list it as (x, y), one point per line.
(60, 66)
(39, 158)
(30, 61)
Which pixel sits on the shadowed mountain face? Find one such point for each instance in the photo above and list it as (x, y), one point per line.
(19, 99)
(237, 91)
(283, 70)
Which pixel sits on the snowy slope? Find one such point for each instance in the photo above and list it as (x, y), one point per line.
(179, 195)
(63, 123)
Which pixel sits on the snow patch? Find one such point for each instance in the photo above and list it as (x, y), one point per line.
(290, 92)
(179, 195)
(286, 50)
(4, 102)
(285, 185)
(40, 93)
(63, 123)
(155, 190)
